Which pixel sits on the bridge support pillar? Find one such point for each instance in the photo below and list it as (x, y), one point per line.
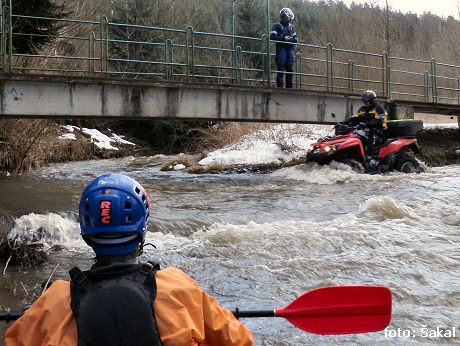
(399, 112)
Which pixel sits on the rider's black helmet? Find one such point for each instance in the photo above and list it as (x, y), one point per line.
(369, 95)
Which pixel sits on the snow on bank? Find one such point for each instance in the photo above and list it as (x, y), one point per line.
(100, 140)
(440, 126)
(282, 143)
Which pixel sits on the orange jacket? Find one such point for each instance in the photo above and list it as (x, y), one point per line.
(185, 315)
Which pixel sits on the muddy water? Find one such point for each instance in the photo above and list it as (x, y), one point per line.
(260, 241)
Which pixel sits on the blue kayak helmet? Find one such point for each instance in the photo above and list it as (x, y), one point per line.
(114, 213)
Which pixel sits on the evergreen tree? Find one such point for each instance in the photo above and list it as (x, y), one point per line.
(32, 33)
(250, 22)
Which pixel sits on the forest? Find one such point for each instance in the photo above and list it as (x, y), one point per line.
(367, 28)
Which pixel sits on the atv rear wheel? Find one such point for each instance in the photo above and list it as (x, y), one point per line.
(407, 164)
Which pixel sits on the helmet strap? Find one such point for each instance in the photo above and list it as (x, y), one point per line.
(141, 247)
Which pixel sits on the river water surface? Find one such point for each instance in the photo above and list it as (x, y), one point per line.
(258, 241)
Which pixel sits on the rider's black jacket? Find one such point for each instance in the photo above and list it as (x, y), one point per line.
(375, 117)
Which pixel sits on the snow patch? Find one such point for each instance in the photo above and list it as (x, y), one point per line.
(101, 140)
(282, 143)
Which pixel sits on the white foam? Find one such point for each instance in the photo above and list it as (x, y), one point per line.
(381, 208)
(48, 228)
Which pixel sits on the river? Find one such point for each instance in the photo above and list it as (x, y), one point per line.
(258, 241)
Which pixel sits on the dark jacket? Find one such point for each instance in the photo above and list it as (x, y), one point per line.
(374, 117)
(279, 32)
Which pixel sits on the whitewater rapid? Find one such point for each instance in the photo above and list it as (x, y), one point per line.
(259, 241)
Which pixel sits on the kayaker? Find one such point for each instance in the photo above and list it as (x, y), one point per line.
(120, 301)
(284, 33)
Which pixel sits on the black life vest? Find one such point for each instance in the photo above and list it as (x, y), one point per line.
(115, 308)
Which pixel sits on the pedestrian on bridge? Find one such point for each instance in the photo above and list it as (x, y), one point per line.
(284, 33)
(120, 301)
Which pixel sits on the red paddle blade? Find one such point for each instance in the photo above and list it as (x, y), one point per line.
(340, 310)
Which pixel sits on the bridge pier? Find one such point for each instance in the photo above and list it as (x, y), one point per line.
(400, 112)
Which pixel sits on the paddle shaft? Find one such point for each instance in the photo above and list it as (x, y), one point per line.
(9, 316)
(253, 313)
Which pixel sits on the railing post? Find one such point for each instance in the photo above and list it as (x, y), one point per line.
(104, 45)
(268, 45)
(3, 38)
(233, 40)
(388, 69)
(388, 81)
(351, 76)
(434, 87)
(190, 38)
(298, 70)
(329, 72)
(7, 39)
(239, 61)
(10, 37)
(458, 90)
(268, 63)
(91, 49)
(263, 41)
(168, 58)
(385, 63)
(426, 81)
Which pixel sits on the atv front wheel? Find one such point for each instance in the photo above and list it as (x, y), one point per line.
(355, 165)
(407, 164)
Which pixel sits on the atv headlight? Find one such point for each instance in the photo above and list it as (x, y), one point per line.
(312, 148)
(331, 147)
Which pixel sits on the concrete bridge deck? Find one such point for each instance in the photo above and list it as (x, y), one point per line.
(47, 96)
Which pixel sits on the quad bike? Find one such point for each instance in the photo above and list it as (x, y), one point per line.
(392, 154)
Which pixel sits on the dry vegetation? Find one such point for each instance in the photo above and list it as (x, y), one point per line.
(24, 255)
(26, 144)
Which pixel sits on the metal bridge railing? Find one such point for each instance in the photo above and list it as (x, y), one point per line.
(117, 50)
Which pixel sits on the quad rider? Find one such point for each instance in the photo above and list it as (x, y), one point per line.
(371, 120)
(120, 301)
(285, 34)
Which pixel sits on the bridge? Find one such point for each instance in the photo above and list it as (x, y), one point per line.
(191, 75)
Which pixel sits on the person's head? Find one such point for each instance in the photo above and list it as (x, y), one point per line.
(286, 15)
(368, 97)
(114, 213)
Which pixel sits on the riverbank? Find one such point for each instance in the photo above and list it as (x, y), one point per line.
(285, 145)
(439, 147)
(230, 147)
(27, 144)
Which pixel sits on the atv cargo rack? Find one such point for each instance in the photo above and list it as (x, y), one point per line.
(403, 128)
